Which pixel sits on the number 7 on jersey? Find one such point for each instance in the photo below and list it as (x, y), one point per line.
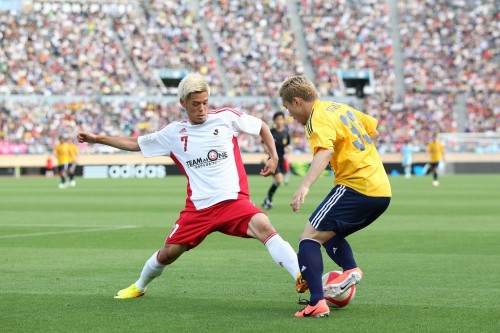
(184, 138)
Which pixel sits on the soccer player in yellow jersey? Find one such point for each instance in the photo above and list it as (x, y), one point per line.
(345, 138)
(62, 154)
(73, 154)
(436, 151)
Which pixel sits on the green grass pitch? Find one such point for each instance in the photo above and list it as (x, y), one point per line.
(431, 262)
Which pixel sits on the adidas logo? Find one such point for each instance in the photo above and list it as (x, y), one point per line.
(183, 130)
(303, 268)
(334, 250)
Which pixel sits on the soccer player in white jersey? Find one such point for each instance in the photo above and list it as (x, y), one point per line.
(205, 148)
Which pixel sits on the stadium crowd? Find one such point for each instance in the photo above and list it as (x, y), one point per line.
(448, 48)
(416, 116)
(254, 42)
(165, 34)
(34, 127)
(357, 38)
(483, 112)
(63, 53)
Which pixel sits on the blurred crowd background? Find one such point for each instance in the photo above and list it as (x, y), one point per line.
(81, 69)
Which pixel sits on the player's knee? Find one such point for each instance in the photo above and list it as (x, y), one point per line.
(169, 253)
(320, 236)
(264, 227)
(260, 227)
(267, 229)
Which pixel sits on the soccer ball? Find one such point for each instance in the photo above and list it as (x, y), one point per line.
(341, 300)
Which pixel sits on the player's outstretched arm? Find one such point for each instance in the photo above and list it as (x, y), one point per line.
(268, 140)
(124, 143)
(318, 165)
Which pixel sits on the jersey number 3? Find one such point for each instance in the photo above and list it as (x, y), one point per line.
(357, 129)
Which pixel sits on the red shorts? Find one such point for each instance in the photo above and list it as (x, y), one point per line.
(229, 217)
(286, 165)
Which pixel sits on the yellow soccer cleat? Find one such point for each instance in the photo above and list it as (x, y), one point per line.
(130, 292)
(301, 284)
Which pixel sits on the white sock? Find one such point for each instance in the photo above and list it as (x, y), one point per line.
(283, 254)
(152, 269)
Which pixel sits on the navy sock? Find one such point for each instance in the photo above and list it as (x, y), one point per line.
(311, 266)
(71, 176)
(435, 175)
(340, 251)
(63, 179)
(271, 191)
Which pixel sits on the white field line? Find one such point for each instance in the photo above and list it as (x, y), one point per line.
(67, 231)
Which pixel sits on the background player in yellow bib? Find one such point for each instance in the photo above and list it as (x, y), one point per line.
(62, 154)
(436, 152)
(345, 138)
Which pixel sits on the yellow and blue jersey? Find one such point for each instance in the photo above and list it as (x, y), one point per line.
(62, 153)
(436, 151)
(73, 152)
(355, 161)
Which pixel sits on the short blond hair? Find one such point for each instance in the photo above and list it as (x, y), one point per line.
(192, 83)
(298, 86)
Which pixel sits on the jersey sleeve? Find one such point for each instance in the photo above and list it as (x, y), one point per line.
(323, 134)
(245, 123)
(156, 144)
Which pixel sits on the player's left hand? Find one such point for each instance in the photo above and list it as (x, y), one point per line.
(298, 198)
(269, 167)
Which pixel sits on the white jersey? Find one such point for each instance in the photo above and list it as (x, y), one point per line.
(208, 154)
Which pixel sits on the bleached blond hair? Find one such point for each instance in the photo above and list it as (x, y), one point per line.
(192, 83)
(298, 86)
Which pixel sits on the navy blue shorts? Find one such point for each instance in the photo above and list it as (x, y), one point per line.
(280, 168)
(62, 167)
(346, 211)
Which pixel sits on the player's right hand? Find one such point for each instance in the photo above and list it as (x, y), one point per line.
(269, 167)
(299, 198)
(86, 137)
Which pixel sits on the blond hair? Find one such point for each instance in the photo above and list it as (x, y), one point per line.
(192, 83)
(298, 86)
